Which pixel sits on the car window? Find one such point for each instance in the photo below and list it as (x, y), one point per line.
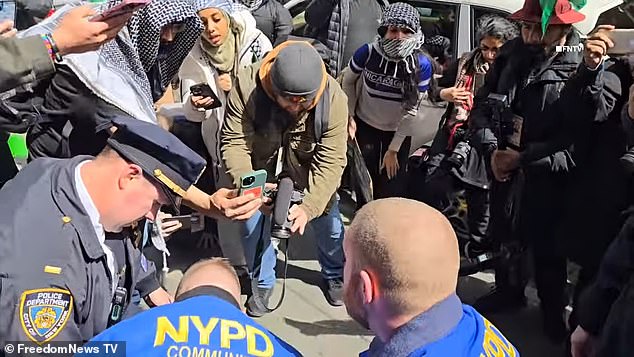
(438, 22)
(476, 13)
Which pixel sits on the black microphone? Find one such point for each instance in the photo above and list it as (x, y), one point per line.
(285, 198)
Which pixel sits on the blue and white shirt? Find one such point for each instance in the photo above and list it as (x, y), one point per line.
(379, 100)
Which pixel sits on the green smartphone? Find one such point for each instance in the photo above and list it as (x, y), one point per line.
(253, 183)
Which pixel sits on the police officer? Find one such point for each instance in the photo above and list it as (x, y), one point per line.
(207, 307)
(60, 279)
(400, 282)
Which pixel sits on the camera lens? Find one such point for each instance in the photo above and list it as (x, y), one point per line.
(248, 181)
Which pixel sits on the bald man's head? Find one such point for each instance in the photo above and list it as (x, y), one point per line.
(410, 249)
(210, 272)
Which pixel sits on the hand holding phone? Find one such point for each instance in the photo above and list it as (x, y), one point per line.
(206, 98)
(597, 45)
(253, 183)
(8, 11)
(124, 8)
(76, 34)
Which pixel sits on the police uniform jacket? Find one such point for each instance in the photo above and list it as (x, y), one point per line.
(205, 321)
(54, 279)
(447, 329)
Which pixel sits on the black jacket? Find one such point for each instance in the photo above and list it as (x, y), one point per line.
(66, 99)
(536, 97)
(532, 205)
(614, 275)
(274, 20)
(597, 190)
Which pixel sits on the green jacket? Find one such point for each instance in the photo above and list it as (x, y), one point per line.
(25, 60)
(316, 167)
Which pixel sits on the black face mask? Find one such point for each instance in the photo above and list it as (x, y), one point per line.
(154, 75)
(165, 50)
(156, 81)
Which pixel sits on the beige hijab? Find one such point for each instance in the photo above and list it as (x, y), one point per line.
(225, 57)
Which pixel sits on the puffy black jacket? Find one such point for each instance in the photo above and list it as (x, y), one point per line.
(274, 20)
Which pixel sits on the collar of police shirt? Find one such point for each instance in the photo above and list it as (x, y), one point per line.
(208, 290)
(94, 216)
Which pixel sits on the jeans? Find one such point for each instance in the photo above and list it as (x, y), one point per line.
(260, 254)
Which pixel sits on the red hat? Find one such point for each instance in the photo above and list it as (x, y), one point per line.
(563, 13)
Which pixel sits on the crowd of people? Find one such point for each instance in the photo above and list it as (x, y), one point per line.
(534, 140)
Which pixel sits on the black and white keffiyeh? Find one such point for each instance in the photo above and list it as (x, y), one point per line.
(117, 71)
(252, 5)
(228, 6)
(400, 14)
(145, 34)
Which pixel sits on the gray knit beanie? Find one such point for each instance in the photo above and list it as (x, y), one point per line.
(297, 71)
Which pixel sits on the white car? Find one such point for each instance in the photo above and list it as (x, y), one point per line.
(464, 15)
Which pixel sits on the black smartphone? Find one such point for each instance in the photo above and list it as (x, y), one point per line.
(126, 7)
(204, 90)
(185, 220)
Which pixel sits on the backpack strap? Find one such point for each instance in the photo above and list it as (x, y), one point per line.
(322, 113)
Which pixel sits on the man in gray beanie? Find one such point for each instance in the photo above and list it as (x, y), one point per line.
(286, 115)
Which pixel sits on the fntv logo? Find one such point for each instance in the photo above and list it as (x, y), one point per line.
(577, 48)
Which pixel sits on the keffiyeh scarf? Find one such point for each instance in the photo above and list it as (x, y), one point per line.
(404, 16)
(117, 71)
(252, 5)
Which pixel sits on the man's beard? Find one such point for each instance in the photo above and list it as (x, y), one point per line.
(350, 298)
(529, 58)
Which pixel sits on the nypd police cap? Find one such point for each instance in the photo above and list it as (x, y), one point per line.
(161, 155)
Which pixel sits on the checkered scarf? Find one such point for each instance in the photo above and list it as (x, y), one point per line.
(227, 6)
(404, 16)
(125, 60)
(400, 15)
(145, 33)
(252, 5)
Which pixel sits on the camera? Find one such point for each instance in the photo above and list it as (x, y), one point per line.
(459, 154)
(285, 197)
(502, 118)
(248, 181)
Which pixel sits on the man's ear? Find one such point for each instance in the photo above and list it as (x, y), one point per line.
(369, 286)
(131, 172)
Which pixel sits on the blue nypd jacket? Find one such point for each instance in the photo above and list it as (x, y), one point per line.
(449, 328)
(198, 325)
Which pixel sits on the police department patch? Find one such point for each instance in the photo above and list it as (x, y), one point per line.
(44, 312)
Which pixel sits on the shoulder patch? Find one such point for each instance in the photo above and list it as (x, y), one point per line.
(45, 312)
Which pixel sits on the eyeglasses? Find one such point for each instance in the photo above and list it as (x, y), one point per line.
(302, 101)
